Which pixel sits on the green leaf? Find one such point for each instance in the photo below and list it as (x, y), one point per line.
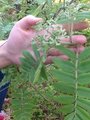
(64, 99)
(41, 1)
(64, 88)
(28, 62)
(80, 16)
(66, 66)
(38, 73)
(67, 52)
(84, 92)
(43, 72)
(25, 63)
(72, 116)
(84, 115)
(84, 79)
(27, 55)
(49, 2)
(23, 104)
(27, 66)
(69, 117)
(39, 8)
(36, 52)
(84, 103)
(85, 54)
(76, 117)
(83, 15)
(67, 108)
(64, 20)
(84, 66)
(63, 77)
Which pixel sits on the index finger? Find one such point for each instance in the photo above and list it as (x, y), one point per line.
(75, 39)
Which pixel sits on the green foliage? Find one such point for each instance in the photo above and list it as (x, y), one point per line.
(57, 91)
(25, 93)
(76, 84)
(23, 104)
(70, 87)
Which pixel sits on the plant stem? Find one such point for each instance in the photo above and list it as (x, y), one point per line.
(64, 4)
(59, 10)
(76, 83)
(70, 31)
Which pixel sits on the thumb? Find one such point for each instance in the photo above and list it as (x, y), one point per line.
(28, 21)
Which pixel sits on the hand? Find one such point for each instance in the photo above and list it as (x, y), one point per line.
(77, 40)
(21, 36)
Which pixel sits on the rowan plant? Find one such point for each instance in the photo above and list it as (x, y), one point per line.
(58, 91)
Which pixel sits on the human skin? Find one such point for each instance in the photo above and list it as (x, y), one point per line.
(21, 36)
